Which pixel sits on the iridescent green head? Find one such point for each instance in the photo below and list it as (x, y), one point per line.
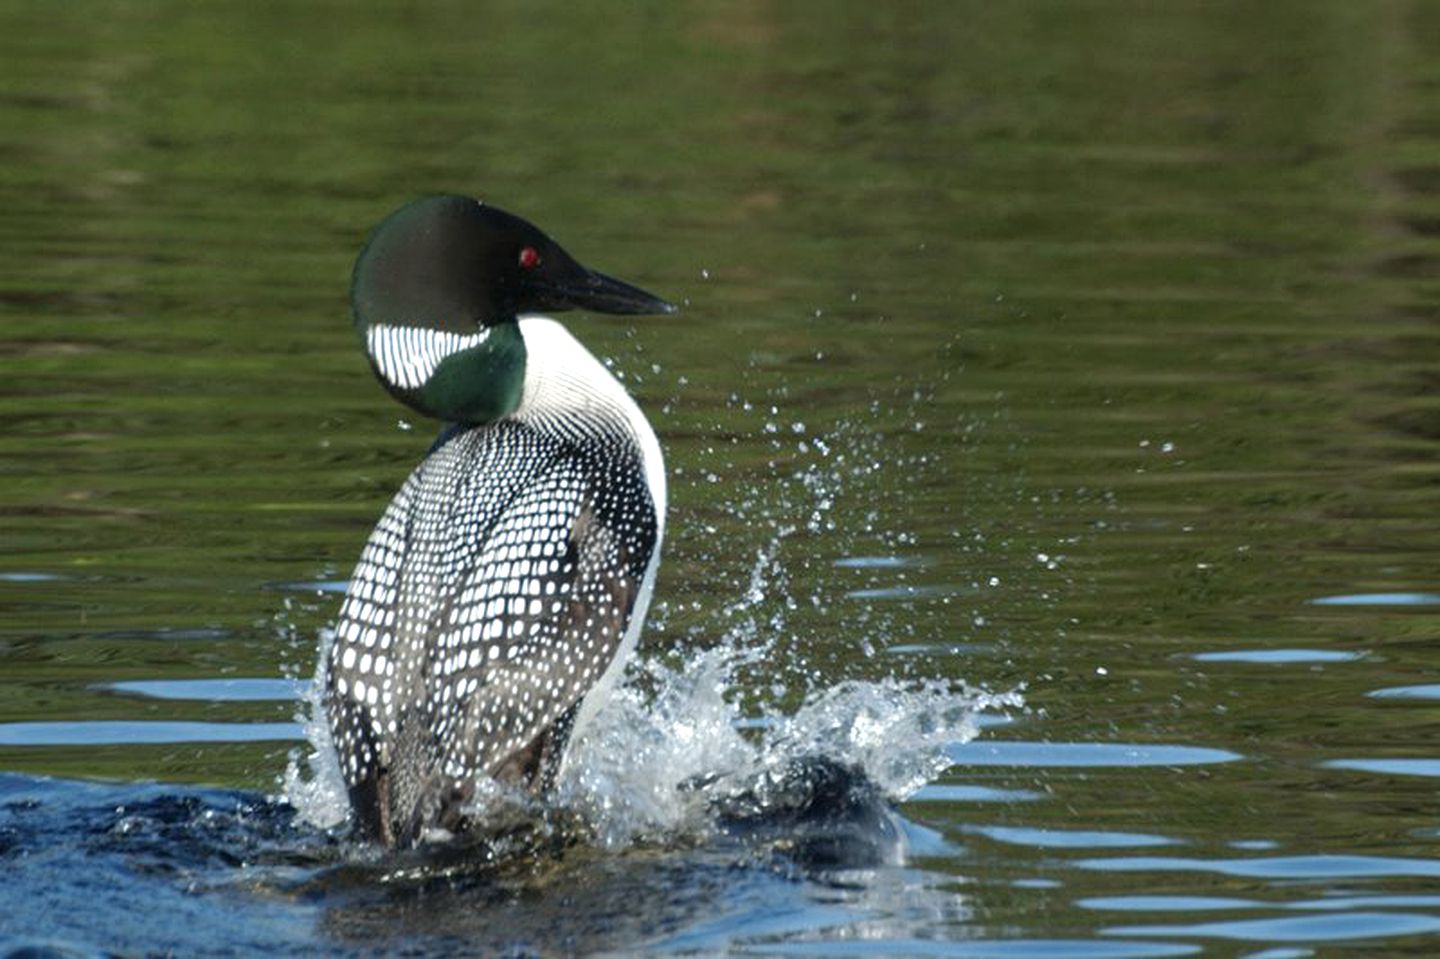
(436, 293)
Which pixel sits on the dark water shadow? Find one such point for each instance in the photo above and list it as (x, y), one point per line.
(146, 868)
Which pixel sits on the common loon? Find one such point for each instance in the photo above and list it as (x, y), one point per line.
(499, 596)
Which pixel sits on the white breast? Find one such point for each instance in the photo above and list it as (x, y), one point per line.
(570, 393)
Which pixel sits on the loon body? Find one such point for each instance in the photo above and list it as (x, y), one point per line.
(503, 589)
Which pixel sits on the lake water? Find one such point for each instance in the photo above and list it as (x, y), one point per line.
(1060, 375)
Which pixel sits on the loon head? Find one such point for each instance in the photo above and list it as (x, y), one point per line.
(436, 293)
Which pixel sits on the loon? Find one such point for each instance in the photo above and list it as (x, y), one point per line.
(501, 592)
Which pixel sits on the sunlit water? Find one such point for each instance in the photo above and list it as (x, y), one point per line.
(1053, 445)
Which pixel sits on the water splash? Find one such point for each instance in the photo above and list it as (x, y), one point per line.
(312, 780)
(663, 764)
(672, 752)
(630, 774)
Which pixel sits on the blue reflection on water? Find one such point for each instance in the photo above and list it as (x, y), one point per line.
(1182, 903)
(880, 562)
(1367, 902)
(1168, 903)
(947, 792)
(1378, 599)
(1318, 928)
(309, 585)
(779, 918)
(905, 591)
(1071, 838)
(1388, 767)
(1427, 691)
(1014, 753)
(120, 732)
(212, 690)
(938, 649)
(981, 949)
(1272, 867)
(21, 576)
(1279, 656)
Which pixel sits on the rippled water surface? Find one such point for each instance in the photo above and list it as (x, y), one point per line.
(1053, 439)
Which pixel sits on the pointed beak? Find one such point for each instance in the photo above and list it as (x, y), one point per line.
(605, 294)
(563, 284)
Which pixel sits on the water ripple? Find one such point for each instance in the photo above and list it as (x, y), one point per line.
(880, 562)
(1015, 753)
(1184, 903)
(1388, 767)
(1168, 903)
(1273, 867)
(1320, 928)
(308, 585)
(944, 792)
(123, 732)
(211, 690)
(980, 949)
(1428, 691)
(21, 576)
(1279, 656)
(1378, 599)
(908, 592)
(1071, 838)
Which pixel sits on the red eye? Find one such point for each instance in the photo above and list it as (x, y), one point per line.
(529, 258)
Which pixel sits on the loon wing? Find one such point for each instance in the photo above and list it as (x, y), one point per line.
(493, 595)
